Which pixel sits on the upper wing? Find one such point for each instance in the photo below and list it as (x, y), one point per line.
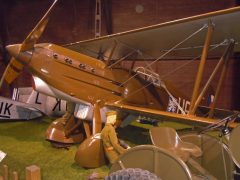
(167, 116)
(153, 41)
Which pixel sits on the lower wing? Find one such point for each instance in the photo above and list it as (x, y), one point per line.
(168, 116)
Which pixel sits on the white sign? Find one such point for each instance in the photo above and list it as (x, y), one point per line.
(2, 155)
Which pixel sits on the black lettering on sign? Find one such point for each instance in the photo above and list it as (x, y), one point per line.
(58, 104)
(7, 109)
(1, 107)
(2, 116)
(36, 100)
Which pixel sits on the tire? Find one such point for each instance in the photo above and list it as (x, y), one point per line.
(132, 174)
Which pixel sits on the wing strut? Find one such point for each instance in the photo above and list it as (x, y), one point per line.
(118, 61)
(223, 72)
(111, 53)
(222, 62)
(201, 66)
(97, 122)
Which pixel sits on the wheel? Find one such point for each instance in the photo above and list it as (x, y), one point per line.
(132, 174)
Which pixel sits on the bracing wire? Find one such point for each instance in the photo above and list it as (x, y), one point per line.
(190, 61)
(163, 85)
(170, 50)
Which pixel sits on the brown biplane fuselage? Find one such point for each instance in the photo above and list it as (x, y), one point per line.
(83, 78)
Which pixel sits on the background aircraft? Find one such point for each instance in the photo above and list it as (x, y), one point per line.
(28, 104)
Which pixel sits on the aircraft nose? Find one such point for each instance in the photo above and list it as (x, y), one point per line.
(13, 50)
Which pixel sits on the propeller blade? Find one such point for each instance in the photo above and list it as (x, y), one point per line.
(12, 71)
(15, 66)
(36, 33)
(19, 56)
(33, 37)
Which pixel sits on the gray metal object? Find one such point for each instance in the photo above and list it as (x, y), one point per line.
(131, 174)
(214, 161)
(154, 159)
(216, 158)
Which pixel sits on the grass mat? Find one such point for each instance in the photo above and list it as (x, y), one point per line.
(25, 145)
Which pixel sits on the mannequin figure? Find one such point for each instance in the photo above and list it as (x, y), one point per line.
(111, 144)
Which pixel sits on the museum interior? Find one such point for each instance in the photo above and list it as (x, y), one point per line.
(91, 70)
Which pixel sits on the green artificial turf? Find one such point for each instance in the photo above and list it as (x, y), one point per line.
(25, 145)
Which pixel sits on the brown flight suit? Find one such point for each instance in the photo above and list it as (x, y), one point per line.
(110, 143)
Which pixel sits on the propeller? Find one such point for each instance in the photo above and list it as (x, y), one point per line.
(22, 53)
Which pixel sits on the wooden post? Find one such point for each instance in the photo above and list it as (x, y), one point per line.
(201, 66)
(5, 172)
(33, 173)
(14, 175)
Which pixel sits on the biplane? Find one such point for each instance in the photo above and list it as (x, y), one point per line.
(89, 76)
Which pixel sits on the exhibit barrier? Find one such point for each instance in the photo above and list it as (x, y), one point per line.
(32, 173)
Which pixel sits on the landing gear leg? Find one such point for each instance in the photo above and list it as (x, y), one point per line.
(97, 121)
(65, 130)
